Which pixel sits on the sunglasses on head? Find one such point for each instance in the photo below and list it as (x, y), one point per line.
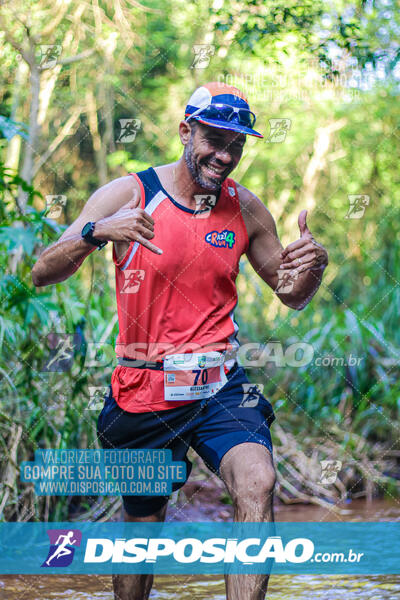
(225, 112)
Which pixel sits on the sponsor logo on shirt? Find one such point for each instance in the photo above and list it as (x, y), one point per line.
(223, 239)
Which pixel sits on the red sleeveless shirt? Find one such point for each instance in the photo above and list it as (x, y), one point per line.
(182, 300)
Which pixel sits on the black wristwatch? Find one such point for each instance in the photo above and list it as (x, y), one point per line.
(87, 234)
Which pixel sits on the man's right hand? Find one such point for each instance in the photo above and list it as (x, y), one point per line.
(129, 223)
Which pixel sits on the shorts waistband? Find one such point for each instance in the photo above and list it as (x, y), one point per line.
(155, 365)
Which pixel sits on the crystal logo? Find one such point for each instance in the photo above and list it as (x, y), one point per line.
(62, 347)
(62, 547)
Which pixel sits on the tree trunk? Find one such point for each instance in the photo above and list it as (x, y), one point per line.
(33, 134)
(14, 146)
(315, 166)
(98, 147)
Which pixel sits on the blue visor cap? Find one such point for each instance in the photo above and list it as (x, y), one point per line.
(224, 111)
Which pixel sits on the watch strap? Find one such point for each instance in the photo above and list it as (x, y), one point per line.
(89, 237)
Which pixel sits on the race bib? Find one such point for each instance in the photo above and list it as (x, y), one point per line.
(193, 376)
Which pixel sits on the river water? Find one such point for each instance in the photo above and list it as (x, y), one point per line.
(202, 587)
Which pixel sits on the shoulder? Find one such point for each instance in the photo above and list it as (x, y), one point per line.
(104, 202)
(248, 200)
(114, 194)
(255, 214)
(122, 185)
(126, 183)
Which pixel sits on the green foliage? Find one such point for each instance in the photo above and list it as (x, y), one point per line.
(51, 408)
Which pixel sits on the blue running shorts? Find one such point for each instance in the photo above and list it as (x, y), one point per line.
(238, 413)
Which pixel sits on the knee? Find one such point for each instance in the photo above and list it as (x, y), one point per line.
(256, 485)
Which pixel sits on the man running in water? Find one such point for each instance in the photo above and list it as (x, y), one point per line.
(178, 233)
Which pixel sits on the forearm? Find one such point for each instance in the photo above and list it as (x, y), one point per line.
(60, 261)
(304, 288)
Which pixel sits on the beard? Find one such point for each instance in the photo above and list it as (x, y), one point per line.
(208, 183)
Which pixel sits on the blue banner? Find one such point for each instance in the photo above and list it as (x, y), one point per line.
(205, 548)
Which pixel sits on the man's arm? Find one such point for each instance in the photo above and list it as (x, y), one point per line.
(114, 209)
(294, 273)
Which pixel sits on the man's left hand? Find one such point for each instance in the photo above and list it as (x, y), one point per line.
(305, 253)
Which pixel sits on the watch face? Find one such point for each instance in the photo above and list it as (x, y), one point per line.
(87, 229)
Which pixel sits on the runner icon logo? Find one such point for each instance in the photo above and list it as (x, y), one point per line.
(358, 203)
(97, 396)
(133, 279)
(286, 281)
(129, 129)
(62, 347)
(202, 55)
(49, 54)
(204, 204)
(251, 394)
(54, 205)
(279, 129)
(330, 470)
(61, 552)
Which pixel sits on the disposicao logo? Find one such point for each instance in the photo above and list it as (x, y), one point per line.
(62, 547)
(190, 550)
(225, 239)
